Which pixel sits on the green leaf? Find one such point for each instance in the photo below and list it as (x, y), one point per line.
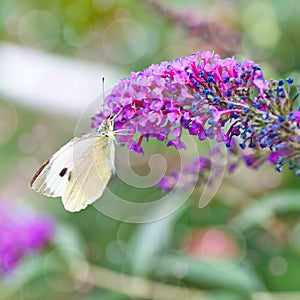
(229, 275)
(29, 270)
(147, 241)
(224, 295)
(150, 239)
(265, 208)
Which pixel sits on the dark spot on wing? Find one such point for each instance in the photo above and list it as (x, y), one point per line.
(38, 172)
(63, 172)
(69, 176)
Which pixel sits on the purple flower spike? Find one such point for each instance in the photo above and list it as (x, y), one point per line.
(212, 98)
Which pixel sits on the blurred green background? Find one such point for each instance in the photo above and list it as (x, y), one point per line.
(245, 244)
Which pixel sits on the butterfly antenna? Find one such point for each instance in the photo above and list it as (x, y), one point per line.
(103, 98)
(103, 93)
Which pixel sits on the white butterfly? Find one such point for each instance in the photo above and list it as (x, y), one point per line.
(80, 170)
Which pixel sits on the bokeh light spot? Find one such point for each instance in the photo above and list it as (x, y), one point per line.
(278, 265)
(39, 131)
(8, 121)
(263, 32)
(128, 33)
(27, 143)
(75, 33)
(11, 24)
(27, 166)
(180, 270)
(116, 252)
(39, 28)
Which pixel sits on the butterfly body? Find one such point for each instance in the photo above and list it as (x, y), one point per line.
(79, 171)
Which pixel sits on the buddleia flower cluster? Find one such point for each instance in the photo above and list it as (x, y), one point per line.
(211, 98)
(21, 234)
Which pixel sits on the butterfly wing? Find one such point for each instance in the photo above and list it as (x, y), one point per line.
(90, 175)
(50, 179)
(78, 172)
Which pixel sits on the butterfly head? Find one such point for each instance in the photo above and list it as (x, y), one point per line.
(106, 127)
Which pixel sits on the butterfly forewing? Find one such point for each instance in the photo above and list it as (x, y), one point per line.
(78, 172)
(50, 178)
